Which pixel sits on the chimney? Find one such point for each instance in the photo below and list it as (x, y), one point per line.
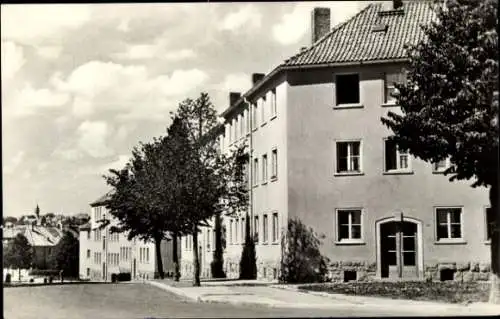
(256, 77)
(320, 23)
(234, 97)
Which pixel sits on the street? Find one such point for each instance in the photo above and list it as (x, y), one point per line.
(140, 301)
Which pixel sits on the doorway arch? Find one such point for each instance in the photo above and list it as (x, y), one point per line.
(382, 226)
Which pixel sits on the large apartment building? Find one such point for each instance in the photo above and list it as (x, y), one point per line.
(103, 253)
(319, 152)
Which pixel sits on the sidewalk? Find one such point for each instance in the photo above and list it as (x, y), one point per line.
(252, 292)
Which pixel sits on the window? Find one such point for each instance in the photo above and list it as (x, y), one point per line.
(255, 171)
(275, 227)
(347, 89)
(243, 230)
(88, 272)
(103, 242)
(231, 231)
(208, 239)
(263, 110)
(449, 223)
(274, 164)
(348, 225)
(264, 168)
(242, 127)
(248, 121)
(396, 160)
(490, 222)
(147, 254)
(264, 228)
(441, 166)
(273, 103)
(349, 157)
(256, 228)
(254, 117)
(390, 91)
(235, 127)
(88, 253)
(236, 226)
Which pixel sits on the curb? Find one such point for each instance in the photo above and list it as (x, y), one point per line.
(176, 291)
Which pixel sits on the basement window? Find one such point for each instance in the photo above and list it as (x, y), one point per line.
(347, 89)
(446, 274)
(350, 275)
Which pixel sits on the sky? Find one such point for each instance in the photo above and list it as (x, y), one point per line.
(83, 84)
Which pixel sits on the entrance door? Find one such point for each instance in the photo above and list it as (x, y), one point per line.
(399, 250)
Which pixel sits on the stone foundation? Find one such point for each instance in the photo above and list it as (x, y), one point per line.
(463, 272)
(365, 271)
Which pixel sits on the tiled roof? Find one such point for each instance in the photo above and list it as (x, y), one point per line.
(355, 40)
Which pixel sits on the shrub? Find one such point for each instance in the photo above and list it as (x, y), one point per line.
(248, 262)
(301, 260)
(124, 276)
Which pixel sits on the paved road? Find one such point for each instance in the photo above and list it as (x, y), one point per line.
(138, 301)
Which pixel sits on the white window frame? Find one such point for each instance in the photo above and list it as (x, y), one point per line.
(274, 164)
(263, 103)
(255, 116)
(349, 240)
(388, 100)
(398, 169)
(264, 168)
(265, 228)
(255, 164)
(347, 105)
(349, 172)
(256, 228)
(274, 106)
(275, 227)
(460, 239)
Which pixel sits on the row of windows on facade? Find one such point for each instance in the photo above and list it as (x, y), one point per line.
(349, 158)
(237, 232)
(262, 175)
(98, 213)
(124, 255)
(265, 109)
(449, 224)
(347, 88)
(98, 235)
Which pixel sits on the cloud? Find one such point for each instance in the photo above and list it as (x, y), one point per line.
(50, 51)
(236, 82)
(180, 55)
(12, 59)
(29, 100)
(30, 24)
(121, 89)
(119, 163)
(141, 51)
(294, 25)
(92, 138)
(67, 154)
(247, 16)
(14, 162)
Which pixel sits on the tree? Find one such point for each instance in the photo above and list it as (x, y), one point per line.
(301, 260)
(19, 254)
(65, 256)
(205, 184)
(146, 193)
(10, 219)
(248, 262)
(449, 102)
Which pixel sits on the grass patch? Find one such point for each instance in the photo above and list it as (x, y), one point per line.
(450, 292)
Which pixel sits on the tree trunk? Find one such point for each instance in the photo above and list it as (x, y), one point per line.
(218, 256)
(158, 257)
(175, 257)
(495, 247)
(196, 259)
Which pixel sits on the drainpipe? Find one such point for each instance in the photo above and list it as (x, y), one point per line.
(250, 165)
